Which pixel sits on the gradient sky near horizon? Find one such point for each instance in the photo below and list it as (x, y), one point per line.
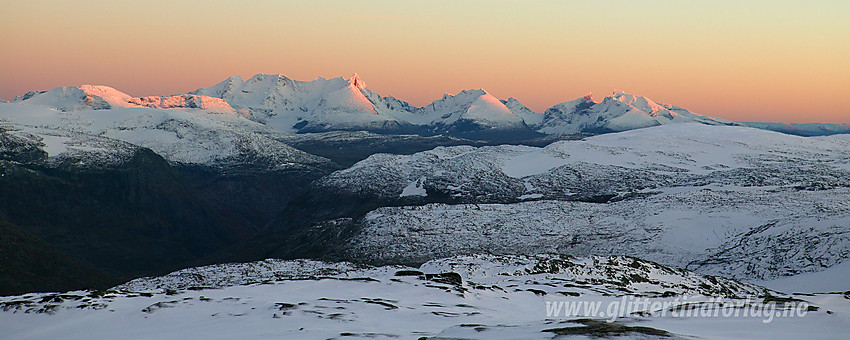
(785, 61)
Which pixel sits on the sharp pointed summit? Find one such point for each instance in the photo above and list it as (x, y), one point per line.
(357, 82)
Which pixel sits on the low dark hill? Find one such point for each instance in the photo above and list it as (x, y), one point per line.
(28, 264)
(138, 218)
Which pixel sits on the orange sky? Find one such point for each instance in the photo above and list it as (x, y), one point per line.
(776, 60)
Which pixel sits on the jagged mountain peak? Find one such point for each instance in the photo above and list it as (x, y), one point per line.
(515, 105)
(221, 89)
(356, 81)
(639, 102)
(468, 93)
(512, 101)
(465, 98)
(308, 106)
(531, 118)
(471, 110)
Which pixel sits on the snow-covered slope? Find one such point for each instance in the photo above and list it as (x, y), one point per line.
(471, 109)
(680, 154)
(186, 136)
(73, 98)
(470, 297)
(747, 233)
(804, 129)
(54, 148)
(834, 279)
(614, 275)
(618, 112)
(717, 199)
(531, 118)
(98, 97)
(184, 101)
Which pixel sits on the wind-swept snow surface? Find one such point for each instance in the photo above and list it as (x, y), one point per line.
(470, 297)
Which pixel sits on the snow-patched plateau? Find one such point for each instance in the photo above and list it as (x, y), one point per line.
(735, 201)
(615, 164)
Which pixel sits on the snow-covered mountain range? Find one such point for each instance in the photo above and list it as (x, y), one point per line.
(346, 104)
(340, 104)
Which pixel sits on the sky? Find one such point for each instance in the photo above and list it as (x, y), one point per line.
(783, 61)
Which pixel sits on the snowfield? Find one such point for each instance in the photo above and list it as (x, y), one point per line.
(471, 297)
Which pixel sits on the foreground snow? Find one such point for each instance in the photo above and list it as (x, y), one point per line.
(833, 279)
(474, 297)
